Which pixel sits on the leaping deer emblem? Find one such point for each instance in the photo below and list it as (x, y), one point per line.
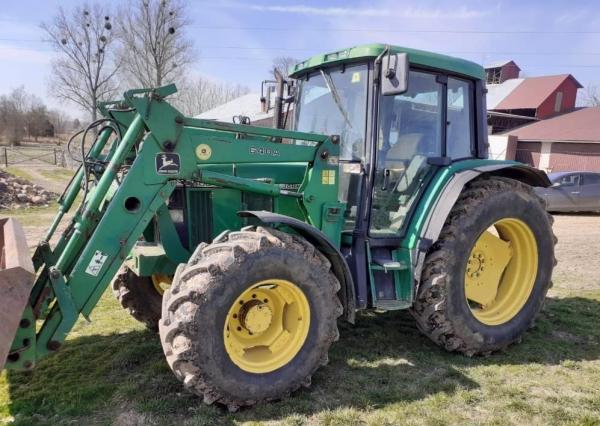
(166, 162)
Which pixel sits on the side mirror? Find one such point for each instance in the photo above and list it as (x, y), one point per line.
(394, 74)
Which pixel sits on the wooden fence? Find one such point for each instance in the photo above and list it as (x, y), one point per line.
(32, 156)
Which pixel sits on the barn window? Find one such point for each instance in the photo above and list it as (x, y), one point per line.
(558, 102)
(493, 75)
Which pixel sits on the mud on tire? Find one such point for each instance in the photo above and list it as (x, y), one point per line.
(441, 309)
(196, 305)
(138, 296)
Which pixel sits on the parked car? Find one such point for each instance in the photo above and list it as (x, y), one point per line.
(572, 192)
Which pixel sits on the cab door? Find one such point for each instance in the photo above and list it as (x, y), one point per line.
(420, 131)
(409, 134)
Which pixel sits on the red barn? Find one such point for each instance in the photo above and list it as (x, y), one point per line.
(541, 97)
(562, 143)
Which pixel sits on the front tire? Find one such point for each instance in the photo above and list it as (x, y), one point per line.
(139, 296)
(487, 276)
(260, 273)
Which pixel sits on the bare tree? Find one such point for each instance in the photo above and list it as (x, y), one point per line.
(84, 71)
(283, 64)
(60, 120)
(76, 124)
(37, 122)
(201, 94)
(591, 96)
(154, 49)
(13, 109)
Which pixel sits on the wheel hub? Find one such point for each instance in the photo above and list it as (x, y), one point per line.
(475, 265)
(266, 326)
(501, 271)
(255, 316)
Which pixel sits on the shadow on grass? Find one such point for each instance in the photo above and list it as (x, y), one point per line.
(381, 360)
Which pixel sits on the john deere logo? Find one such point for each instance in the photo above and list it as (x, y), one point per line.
(167, 163)
(203, 151)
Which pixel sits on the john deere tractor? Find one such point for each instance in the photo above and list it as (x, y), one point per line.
(244, 246)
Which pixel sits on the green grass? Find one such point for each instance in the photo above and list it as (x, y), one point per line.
(33, 216)
(19, 172)
(382, 371)
(58, 174)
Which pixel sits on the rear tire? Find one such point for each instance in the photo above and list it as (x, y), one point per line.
(138, 296)
(441, 308)
(197, 313)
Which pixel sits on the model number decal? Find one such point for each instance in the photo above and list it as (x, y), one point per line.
(264, 151)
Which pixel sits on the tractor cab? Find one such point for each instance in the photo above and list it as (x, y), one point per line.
(399, 120)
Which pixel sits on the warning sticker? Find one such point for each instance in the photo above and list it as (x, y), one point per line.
(96, 263)
(328, 177)
(355, 77)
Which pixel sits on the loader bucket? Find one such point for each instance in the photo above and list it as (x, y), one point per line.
(16, 280)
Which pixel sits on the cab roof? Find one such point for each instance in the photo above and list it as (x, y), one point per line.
(369, 51)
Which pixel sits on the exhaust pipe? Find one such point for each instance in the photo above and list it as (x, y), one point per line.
(16, 280)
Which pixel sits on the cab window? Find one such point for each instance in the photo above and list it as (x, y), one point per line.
(410, 131)
(459, 133)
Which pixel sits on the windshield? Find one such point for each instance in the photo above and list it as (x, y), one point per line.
(334, 102)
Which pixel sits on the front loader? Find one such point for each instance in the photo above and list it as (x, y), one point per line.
(243, 246)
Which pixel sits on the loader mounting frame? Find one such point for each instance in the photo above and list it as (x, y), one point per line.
(130, 188)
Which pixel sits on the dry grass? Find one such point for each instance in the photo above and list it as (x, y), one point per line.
(382, 370)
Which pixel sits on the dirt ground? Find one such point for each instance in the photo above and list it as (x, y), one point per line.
(577, 252)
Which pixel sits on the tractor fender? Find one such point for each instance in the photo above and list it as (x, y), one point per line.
(437, 216)
(322, 242)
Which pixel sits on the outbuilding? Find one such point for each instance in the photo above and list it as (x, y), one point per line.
(566, 142)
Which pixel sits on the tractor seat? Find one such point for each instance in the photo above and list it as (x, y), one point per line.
(406, 187)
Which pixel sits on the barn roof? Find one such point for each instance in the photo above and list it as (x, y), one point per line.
(533, 91)
(500, 64)
(248, 105)
(498, 92)
(580, 125)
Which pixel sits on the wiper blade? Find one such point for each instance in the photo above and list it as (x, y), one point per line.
(335, 95)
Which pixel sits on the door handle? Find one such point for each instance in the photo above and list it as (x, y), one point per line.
(575, 192)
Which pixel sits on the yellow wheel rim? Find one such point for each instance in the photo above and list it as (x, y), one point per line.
(161, 282)
(501, 271)
(266, 326)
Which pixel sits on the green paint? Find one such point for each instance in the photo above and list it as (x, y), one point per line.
(371, 51)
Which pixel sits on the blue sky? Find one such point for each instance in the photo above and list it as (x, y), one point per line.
(237, 40)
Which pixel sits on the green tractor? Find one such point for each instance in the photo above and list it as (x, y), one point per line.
(244, 246)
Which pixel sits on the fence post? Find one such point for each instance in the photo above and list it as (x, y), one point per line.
(55, 159)
(5, 157)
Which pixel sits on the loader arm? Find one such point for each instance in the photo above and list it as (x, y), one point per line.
(129, 182)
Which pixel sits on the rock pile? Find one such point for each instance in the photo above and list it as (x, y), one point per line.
(17, 193)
